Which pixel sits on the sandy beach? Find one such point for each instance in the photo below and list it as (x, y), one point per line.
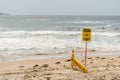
(100, 68)
(38, 37)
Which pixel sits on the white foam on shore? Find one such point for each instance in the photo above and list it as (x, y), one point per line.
(13, 42)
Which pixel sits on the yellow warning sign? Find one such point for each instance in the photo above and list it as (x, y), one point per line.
(86, 34)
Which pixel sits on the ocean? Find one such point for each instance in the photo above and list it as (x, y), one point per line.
(57, 34)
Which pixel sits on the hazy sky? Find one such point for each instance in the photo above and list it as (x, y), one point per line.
(60, 7)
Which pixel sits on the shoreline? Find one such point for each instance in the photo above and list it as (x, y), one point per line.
(41, 56)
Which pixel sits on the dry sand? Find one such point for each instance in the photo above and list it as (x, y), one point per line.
(100, 68)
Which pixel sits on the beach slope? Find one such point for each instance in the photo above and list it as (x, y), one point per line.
(100, 68)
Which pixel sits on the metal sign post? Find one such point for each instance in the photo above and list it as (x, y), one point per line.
(85, 53)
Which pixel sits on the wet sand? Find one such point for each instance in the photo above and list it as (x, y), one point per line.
(100, 68)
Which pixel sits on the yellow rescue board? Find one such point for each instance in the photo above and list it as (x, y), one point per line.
(75, 62)
(80, 66)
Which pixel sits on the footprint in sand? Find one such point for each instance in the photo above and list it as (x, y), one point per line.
(45, 65)
(90, 58)
(97, 57)
(68, 60)
(103, 58)
(35, 66)
(64, 65)
(112, 59)
(26, 77)
(21, 66)
(108, 64)
(57, 63)
(91, 62)
(47, 78)
(93, 50)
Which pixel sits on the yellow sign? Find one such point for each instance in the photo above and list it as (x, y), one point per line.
(86, 34)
